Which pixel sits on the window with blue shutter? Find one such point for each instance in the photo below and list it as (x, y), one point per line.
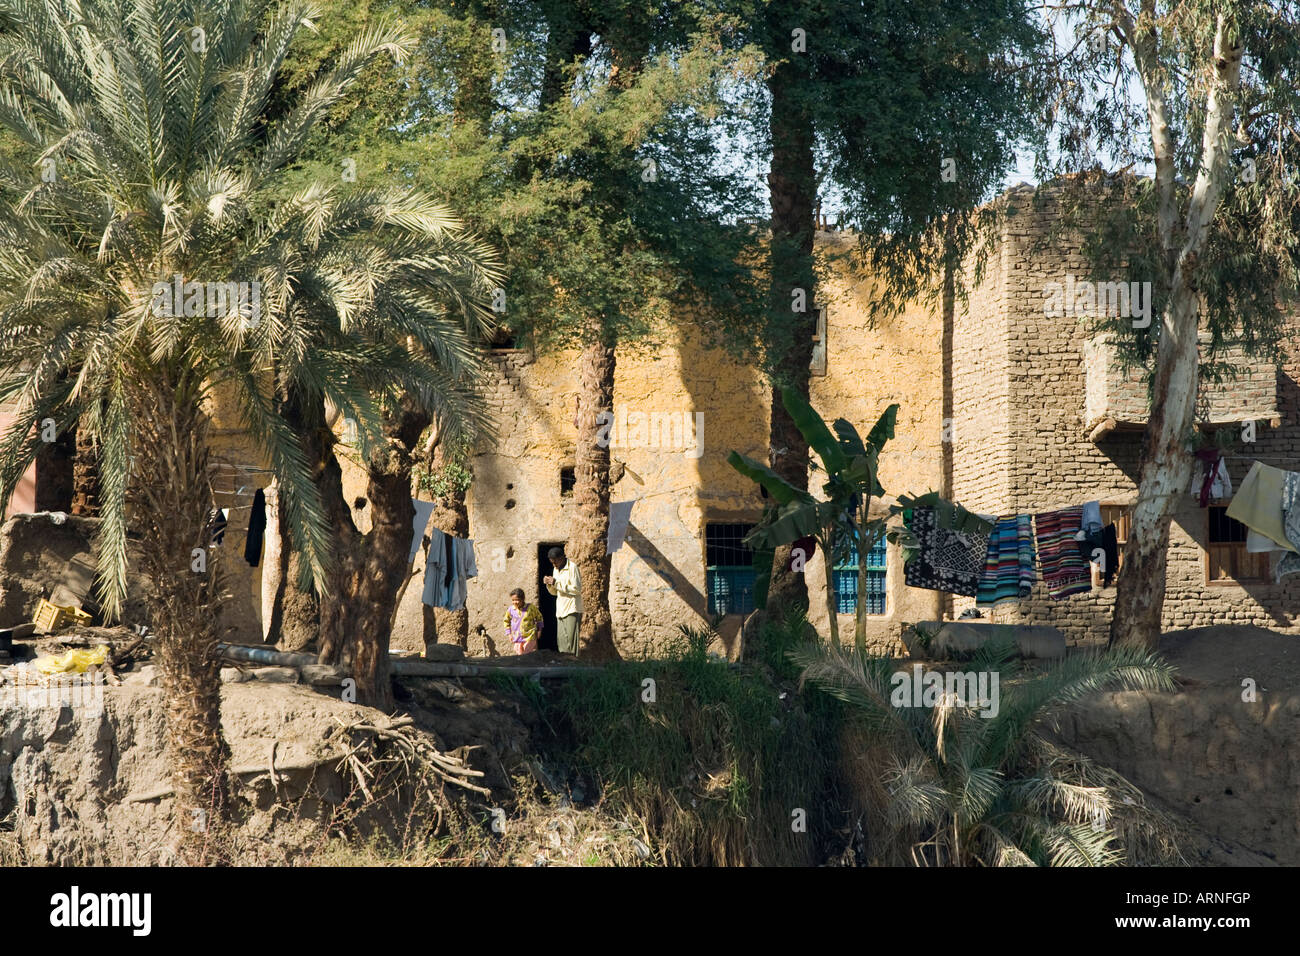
(846, 581)
(728, 569)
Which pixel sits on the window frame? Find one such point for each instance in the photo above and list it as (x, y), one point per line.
(731, 571)
(1261, 560)
(851, 567)
(1120, 514)
(821, 350)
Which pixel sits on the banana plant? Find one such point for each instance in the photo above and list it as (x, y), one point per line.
(842, 519)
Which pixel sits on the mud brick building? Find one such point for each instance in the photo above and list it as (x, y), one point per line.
(1004, 407)
(1044, 418)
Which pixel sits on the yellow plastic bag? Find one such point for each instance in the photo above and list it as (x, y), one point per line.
(73, 662)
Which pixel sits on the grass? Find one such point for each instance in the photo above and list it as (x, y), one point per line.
(714, 761)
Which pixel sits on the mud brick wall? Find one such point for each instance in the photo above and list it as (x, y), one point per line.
(1247, 391)
(1049, 461)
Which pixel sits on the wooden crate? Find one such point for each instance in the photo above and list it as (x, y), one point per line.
(50, 616)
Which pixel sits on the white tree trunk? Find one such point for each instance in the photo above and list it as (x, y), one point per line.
(1166, 459)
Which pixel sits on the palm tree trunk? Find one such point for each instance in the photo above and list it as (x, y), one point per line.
(792, 192)
(85, 477)
(591, 498)
(171, 498)
(450, 516)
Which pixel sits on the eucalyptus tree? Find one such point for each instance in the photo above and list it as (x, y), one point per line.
(148, 252)
(1204, 96)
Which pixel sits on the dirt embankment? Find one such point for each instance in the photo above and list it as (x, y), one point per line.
(1224, 752)
(80, 786)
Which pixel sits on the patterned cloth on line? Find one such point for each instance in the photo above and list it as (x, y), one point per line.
(1009, 566)
(945, 559)
(1064, 570)
(1290, 563)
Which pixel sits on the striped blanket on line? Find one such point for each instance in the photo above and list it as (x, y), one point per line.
(1065, 572)
(1009, 567)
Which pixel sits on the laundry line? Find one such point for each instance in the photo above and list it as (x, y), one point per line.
(1287, 459)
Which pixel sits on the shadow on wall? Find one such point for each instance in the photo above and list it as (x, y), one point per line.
(658, 562)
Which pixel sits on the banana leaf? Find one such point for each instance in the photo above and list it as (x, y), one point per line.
(814, 430)
(782, 492)
(792, 522)
(902, 536)
(850, 440)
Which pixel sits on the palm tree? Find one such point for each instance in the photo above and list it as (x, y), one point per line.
(156, 171)
(956, 785)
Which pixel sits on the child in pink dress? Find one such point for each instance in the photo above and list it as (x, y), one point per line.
(523, 623)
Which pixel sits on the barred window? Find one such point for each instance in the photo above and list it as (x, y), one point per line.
(1226, 558)
(846, 581)
(728, 569)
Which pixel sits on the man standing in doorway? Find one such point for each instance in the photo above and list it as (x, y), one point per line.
(566, 585)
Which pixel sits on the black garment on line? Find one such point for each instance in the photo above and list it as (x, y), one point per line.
(216, 526)
(256, 526)
(1107, 541)
(448, 544)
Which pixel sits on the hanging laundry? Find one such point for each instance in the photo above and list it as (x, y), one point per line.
(1090, 521)
(1213, 480)
(434, 593)
(1064, 570)
(1290, 563)
(451, 561)
(620, 515)
(946, 559)
(217, 522)
(1258, 503)
(1222, 484)
(1009, 565)
(423, 510)
(1257, 543)
(466, 568)
(1107, 542)
(256, 528)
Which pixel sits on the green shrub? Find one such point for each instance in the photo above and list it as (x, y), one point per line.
(716, 759)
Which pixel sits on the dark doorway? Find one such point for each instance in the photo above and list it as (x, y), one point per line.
(54, 481)
(545, 599)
